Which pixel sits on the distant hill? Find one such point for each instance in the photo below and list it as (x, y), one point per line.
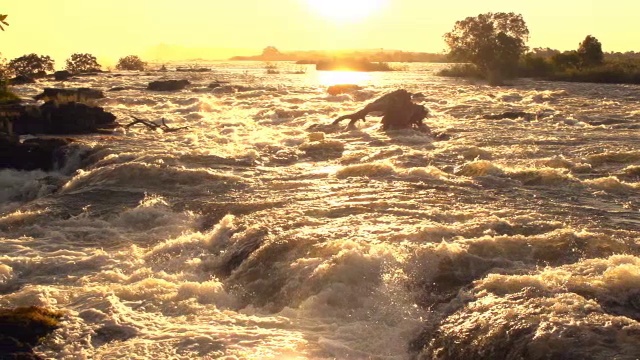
(271, 53)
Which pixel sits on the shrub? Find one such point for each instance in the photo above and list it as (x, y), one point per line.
(31, 65)
(131, 62)
(80, 63)
(462, 71)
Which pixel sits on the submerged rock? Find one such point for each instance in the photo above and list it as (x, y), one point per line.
(168, 85)
(342, 89)
(21, 329)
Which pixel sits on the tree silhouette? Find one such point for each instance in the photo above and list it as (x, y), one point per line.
(590, 52)
(493, 42)
(79, 63)
(131, 62)
(31, 65)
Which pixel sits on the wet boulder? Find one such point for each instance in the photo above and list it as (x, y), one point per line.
(21, 329)
(62, 75)
(168, 85)
(399, 112)
(75, 118)
(21, 80)
(32, 154)
(69, 95)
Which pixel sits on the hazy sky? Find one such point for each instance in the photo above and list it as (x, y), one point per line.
(114, 28)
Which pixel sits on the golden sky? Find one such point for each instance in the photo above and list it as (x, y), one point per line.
(111, 29)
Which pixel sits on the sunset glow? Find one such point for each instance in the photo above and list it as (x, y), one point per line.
(345, 10)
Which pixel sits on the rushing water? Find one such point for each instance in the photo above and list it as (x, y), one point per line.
(255, 234)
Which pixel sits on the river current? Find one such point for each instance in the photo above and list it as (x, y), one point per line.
(261, 231)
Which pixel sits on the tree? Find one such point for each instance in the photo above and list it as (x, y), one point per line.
(2, 21)
(31, 65)
(590, 52)
(493, 42)
(79, 63)
(131, 62)
(566, 60)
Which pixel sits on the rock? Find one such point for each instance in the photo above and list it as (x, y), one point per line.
(69, 95)
(398, 109)
(62, 75)
(32, 154)
(168, 85)
(511, 115)
(21, 329)
(342, 89)
(55, 118)
(21, 80)
(75, 118)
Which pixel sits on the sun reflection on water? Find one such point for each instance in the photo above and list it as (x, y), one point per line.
(328, 78)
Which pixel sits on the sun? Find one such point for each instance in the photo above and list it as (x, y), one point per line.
(345, 10)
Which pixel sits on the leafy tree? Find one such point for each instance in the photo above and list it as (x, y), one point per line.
(590, 52)
(566, 60)
(31, 65)
(493, 42)
(131, 62)
(79, 63)
(3, 22)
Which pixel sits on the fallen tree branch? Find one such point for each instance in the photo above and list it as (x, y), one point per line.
(154, 126)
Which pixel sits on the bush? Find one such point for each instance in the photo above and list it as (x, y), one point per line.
(131, 62)
(31, 65)
(462, 71)
(590, 52)
(82, 63)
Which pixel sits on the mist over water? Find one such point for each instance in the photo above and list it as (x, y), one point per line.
(254, 234)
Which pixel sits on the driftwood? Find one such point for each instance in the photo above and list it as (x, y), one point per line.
(399, 112)
(154, 126)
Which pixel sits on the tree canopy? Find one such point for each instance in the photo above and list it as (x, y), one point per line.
(31, 65)
(131, 62)
(79, 63)
(590, 52)
(493, 42)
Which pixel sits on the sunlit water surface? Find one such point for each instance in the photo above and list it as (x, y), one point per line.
(262, 232)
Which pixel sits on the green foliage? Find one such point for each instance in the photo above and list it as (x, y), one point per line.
(131, 62)
(3, 22)
(31, 65)
(82, 63)
(566, 60)
(590, 52)
(532, 65)
(493, 42)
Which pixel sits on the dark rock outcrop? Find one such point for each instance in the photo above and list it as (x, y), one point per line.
(399, 112)
(22, 329)
(69, 95)
(168, 85)
(62, 75)
(55, 119)
(21, 80)
(32, 154)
